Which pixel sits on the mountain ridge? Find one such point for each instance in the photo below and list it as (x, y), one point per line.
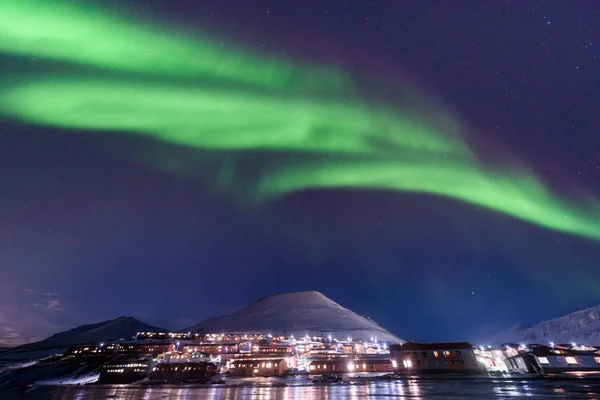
(112, 329)
(582, 326)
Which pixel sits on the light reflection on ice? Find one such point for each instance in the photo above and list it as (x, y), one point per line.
(436, 388)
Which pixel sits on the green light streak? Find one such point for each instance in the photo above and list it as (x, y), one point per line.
(57, 30)
(194, 93)
(217, 118)
(521, 197)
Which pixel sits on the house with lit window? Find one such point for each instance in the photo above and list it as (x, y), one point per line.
(211, 348)
(493, 358)
(86, 350)
(341, 365)
(183, 372)
(141, 347)
(542, 359)
(183, 357)
(126, 371)
(423, 358)
(258, 365)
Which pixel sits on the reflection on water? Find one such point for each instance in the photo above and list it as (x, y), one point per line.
(270, 389)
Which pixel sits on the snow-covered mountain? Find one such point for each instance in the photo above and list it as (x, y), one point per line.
(123, 327)
(579, 327)
(298, 314)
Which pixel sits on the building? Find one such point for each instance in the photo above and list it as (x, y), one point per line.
(212, 348)
(348, 365)
(183, 372)
(492, 358)
(174, 357)
(541, 359)
(86, 350)
(417, 358)
(258, 365)
(165, 335)
(141, 347)
(129, 371)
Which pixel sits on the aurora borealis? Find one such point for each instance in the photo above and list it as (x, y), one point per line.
(281, 125)
(247, 103)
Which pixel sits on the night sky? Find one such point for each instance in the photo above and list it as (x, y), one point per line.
(96, 224)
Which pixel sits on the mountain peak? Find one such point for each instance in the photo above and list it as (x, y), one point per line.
(296, 313)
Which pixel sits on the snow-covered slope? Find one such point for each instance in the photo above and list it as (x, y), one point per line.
(581, 327)
(123, 327)
(299, 314)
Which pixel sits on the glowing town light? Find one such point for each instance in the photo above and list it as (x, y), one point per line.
(329, 337)
(482, 348)
(350, 366)
(489, 347)
(394, 364)
(269, 365)
(552, 344)
(574, 344)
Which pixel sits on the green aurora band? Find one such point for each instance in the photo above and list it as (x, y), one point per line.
(199, 94)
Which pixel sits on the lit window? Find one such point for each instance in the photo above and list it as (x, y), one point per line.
(543, 360)
(435, 354)
(571, 360)
(597, 359)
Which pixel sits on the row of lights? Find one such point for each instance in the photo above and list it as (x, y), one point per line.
(552, 344)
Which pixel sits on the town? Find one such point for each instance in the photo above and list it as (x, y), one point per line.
(159, 357)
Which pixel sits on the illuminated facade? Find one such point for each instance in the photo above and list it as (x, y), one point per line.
(259, 365)
(84, 350)
(540, 359)
(183, 372)
(142, 347)
(346, 365)
(435, 357)
(126, 371)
